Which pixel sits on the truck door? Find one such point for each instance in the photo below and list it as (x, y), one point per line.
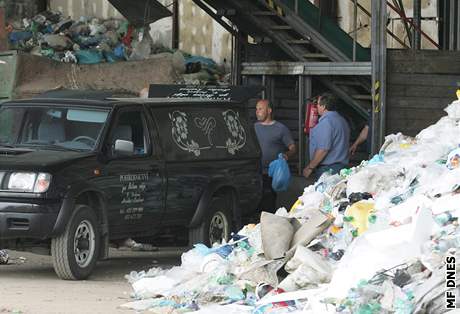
(135, 183)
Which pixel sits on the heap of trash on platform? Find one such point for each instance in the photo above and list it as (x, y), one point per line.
(376, 238)
(93, 41)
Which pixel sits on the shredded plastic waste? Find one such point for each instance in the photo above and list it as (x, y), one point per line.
(91, 41)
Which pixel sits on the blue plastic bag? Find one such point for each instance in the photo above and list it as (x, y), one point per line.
(89, 56)
(279, 171)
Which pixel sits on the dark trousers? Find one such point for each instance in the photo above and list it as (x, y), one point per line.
(333, 168)
(268, 202)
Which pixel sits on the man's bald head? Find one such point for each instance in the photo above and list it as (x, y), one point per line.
(264, 111)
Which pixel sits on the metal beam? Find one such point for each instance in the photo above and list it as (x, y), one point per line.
(3, 34)
(452, 24)
(305, 92)
(216, 17)
(457, 29)
(236, 59)
(175, 25)
(416, 36)
(393, 35)
(355, 29)
(307, 68)
(379, 53)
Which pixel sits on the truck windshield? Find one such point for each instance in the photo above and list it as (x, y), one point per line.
(52, 127)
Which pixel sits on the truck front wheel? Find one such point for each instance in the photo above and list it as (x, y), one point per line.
(76, 250)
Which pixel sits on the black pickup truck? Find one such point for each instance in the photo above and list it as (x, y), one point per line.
(76, 175)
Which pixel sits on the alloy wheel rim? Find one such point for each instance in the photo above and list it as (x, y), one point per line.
(84, 243)
(218, 228)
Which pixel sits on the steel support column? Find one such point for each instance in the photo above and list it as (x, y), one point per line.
(269, 92)
(379, 53)
(452, 19)
(305, 92)
(175, 25)
(417, 36)
(457, 29)
(355, 27)
(236, 58)
(3, 34)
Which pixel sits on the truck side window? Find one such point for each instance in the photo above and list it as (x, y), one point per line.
(131, 126)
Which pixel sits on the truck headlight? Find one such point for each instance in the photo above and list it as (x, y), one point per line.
(29, 182)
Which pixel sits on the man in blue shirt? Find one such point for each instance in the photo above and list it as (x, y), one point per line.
(274, 138)
(329, 140)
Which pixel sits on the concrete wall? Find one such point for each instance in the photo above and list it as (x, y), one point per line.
(429, 10)
(76, 8)
(199, 34)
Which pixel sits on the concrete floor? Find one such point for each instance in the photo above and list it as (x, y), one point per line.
(28, 283)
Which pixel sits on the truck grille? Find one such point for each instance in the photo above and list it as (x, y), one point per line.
(18, 223)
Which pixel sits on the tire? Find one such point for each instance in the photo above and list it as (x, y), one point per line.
(216, 225)
(74, 260)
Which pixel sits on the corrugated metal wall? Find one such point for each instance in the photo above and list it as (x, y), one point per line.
(420, 85)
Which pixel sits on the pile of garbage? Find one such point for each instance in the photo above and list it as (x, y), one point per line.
(4, 257)
(382, 237)
(93, 41)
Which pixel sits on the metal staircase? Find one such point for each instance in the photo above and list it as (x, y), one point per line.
(298, 29)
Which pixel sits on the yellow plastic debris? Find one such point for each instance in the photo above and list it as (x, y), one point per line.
(360, 211)
(404, 145)
(293, 208)
(458, 94)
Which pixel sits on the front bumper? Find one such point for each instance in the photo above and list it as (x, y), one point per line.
(27, 220)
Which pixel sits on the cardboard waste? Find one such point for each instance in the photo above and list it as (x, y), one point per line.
(377, 238)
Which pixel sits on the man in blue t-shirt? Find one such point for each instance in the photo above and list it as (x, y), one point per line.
(329, 140)
(274, 138)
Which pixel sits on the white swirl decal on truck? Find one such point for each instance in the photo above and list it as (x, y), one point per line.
(238, 135)
(180, 132)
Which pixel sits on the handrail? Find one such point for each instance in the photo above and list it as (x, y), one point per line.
(416, 27)
(393, 35)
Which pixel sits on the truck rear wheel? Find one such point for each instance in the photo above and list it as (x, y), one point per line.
(76, 250)
(216, 225)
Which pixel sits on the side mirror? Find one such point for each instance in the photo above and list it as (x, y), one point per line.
(123, 148)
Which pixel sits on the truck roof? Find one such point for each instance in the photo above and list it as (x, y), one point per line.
(112, 102)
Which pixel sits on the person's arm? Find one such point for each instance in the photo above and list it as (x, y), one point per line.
(288, 142)
(361, 139)
(291, 151)
(319, 155)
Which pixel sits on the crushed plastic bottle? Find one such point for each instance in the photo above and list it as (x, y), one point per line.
(443, 219)
(370, 308)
